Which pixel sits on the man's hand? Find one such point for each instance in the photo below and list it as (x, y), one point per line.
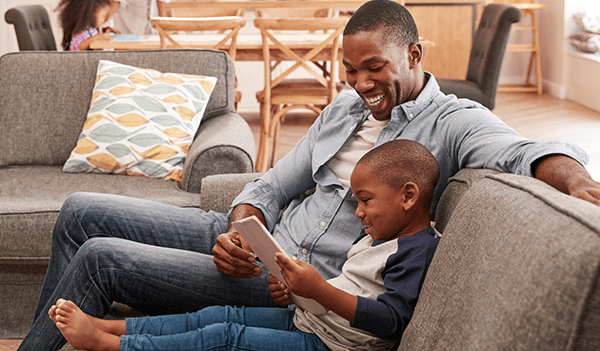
(231, 254)
(302, 278)
(279, 292)
(233, 257)
(568, 176)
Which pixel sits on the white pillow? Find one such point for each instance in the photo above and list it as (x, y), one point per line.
(588, 21)
(141, 122)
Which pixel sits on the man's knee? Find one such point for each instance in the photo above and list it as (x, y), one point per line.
(99, 253)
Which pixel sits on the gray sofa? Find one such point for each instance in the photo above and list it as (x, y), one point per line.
(517, 267)
(44, 99)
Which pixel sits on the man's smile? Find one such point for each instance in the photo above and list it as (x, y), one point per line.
(374, 101)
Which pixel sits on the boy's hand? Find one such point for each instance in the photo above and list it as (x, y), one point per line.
(302, 278)
(279, 292)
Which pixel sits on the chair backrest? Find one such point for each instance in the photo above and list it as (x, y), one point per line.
(326, 49)
(165, 25)
(193, 9)
(489, 45)
(32, 27)
(301, 12)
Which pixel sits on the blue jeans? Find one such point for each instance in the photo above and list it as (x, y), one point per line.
(220, 328)
(153, 257)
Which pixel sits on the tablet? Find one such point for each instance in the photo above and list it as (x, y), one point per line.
(265, 247)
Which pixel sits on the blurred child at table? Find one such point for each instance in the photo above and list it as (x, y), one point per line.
(82, 22)
(369, 304)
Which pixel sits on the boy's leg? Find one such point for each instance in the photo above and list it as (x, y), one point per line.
(88, 215)
(152, 279)
(260, 329)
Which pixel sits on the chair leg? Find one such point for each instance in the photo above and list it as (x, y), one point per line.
(275, 140)
(263, 145)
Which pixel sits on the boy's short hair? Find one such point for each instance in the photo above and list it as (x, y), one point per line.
(398, 24)
(400, 161)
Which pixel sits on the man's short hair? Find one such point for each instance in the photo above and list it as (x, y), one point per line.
(400, 161)
(398, 24)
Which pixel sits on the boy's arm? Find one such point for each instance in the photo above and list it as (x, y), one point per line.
(304, 280)
(403, 274)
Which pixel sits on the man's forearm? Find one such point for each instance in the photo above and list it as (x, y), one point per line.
(568, 176)
(561, 172)
(243, 211)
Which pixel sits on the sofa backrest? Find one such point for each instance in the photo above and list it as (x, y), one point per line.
(516, 269)
(45, 96)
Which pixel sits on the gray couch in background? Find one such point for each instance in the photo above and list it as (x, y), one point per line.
(44, 99)
(517, 267)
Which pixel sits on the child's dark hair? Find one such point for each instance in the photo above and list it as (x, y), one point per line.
(75, 16)
(400, 161)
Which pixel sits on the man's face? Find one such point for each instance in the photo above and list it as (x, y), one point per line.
(380, 72)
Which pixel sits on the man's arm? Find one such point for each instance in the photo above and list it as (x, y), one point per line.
(568, 176)
(231, 254)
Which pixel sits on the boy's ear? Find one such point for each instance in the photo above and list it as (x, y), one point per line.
(410, 195)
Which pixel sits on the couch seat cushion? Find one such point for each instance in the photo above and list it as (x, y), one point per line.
(31, 197)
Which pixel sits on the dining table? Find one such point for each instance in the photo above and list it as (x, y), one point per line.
(249, 45)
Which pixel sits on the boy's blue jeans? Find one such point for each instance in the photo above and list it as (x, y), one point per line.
(164, 265)
(220, 328)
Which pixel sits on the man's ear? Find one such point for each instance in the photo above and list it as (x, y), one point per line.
(415, 54)
(410, 195)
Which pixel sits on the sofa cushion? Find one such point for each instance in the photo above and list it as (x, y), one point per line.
(141, 122)
(33, 195)
(517, 268)
(45, 103)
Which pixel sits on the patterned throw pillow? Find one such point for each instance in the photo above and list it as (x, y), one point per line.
(141, 122)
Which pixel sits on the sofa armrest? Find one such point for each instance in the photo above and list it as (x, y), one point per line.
(219, 191)
(517, 268)
(223, 144)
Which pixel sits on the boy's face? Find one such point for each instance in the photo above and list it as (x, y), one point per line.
(380, 207)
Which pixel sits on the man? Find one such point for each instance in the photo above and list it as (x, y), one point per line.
(157, 258)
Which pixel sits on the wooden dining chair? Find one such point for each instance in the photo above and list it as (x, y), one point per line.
(166, 25)
(294, 12)
(282, 93)
(194, 9)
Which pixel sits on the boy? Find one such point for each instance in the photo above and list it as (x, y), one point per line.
(370, 303)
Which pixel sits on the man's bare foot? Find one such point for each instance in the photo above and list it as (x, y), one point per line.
(79, 330)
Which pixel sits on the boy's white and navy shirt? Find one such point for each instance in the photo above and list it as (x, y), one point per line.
(387, 277)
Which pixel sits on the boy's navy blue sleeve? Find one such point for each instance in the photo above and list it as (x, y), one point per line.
(403, 276)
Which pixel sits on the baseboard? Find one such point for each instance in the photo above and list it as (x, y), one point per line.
(551, 88)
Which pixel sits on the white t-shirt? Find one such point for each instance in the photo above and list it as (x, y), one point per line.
(342, 164)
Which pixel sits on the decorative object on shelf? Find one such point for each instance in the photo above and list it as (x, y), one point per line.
(588, 40)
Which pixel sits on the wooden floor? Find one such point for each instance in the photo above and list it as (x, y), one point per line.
(536, 117)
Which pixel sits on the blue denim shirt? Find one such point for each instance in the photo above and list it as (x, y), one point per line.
(311, 214)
